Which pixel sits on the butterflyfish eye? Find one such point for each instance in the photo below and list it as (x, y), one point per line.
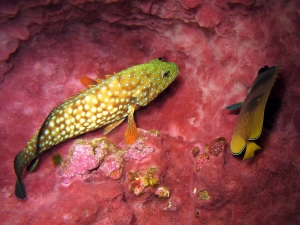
(160, 58)
(166, 74)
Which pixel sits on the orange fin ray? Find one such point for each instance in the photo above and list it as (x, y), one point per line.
(131, 133)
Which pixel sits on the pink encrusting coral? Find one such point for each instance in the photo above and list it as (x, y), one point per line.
(98, 154)
(47, 46)
(141, 179)
(200, 160)
(138, 151)
(83, 158)
(216, 146)
(102, 155)
(112, 166)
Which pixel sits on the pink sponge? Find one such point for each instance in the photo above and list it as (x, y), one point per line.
(82, 159)
(89, 155)
(138, 151)
(112, 165)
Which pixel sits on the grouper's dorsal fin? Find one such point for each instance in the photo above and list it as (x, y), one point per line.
(87, 81)
(108, 76)
(90, 83)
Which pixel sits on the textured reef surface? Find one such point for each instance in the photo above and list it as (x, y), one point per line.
(182, 170)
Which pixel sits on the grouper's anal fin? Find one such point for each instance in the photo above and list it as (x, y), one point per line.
(33, 165)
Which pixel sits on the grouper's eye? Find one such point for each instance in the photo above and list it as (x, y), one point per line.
(166, 74)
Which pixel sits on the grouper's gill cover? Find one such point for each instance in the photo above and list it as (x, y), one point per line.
(104, 104)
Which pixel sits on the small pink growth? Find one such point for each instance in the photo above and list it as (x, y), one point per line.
(195, 151)
(141, 179)
(200, 160)
(162, 192)
(138, 151)
(112, 166)
(7, 191)
(216, 146)
(171, 206)
(138, 187)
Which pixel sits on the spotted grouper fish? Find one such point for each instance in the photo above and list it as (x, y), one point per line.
(104, 103)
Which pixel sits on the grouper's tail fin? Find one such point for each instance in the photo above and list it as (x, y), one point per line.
(20, 189)
(21, 161)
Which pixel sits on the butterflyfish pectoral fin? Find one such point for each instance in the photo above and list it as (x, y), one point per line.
(131, 133)
(234, 106)
(237, 144)
(112, 126)
(250, 149)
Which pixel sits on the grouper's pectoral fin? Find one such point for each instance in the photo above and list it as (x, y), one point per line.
(250, 149)
(131, 133)
(112, 126)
